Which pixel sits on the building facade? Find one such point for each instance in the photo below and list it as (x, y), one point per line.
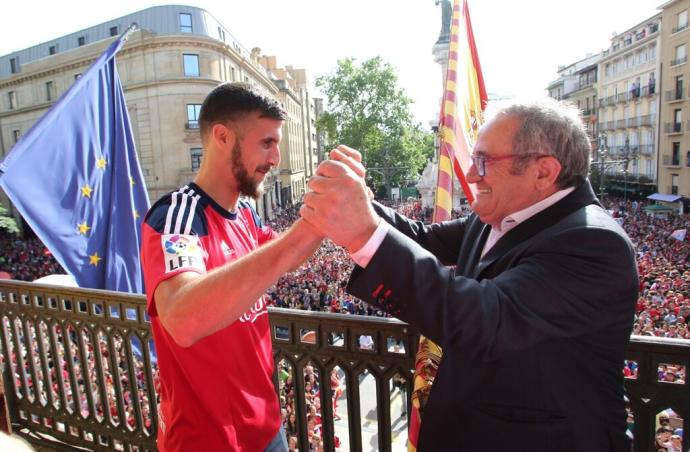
(167, 68)
(577, 83)
(628, 116)
(674, 140)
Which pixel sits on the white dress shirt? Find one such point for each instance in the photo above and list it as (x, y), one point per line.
(364, 254)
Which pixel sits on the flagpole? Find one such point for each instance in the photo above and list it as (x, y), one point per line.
(131, 29)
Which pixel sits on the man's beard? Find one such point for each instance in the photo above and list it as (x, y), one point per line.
(246, 185)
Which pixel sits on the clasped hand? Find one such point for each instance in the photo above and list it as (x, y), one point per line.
(339, 203)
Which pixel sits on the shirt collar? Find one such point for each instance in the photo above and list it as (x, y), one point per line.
(515, 218)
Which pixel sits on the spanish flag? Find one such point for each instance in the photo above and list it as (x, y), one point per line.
(464, 100)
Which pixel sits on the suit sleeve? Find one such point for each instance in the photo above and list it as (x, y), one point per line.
(577, 281)
(440, 239)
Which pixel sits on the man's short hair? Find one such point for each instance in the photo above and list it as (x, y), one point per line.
(553, 128)
(231, 101)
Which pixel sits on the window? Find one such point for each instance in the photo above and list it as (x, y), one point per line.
(232, 74)
(52, 50)
(221, 34)
(649, 168)
(196, 154)
(191, 65)
(81, 40)
(12, 96)
(681, 21)
(680, 56)
(14, 65)
(679, 87)
(678, 117)
(50, 91)
(193, 116)
(674, 184)
(113, 31)
(16, 134)
(675, 156)
(185, 22)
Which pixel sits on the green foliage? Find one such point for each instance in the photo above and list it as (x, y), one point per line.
(7, 222)
(369, 112)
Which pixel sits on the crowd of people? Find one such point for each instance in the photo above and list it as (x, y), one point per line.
(663, 310)
(26, 259)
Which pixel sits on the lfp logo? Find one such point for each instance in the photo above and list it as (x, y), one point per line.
(180, 244)
(182, 251)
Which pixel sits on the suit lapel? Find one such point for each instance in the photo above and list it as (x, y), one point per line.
(468, 262)
(580, 197)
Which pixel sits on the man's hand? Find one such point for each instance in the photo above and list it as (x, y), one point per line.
(339, 203)
(353, 159)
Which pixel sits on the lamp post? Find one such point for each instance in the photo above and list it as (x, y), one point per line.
(628, 156)
(602, 152)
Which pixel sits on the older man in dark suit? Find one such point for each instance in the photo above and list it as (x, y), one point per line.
(536, 315)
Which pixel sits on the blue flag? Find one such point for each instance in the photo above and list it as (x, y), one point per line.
(75, 178)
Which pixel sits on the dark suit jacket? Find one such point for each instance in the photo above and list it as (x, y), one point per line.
(534, 333)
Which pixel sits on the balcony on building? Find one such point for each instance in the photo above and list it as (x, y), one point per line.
(646, 149)
(673, 127)
(191, 125)
(103, 341)
(672, 160)
(674, 95)
(679, 28)
(645, 120)
(648, 90)
(679, 61)
(620, 124)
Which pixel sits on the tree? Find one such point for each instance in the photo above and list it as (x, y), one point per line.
(369, 112)
(7, 222)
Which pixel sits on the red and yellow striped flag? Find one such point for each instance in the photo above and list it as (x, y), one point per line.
(464, 100)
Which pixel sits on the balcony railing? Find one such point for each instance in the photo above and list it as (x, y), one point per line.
(680, 27)
(78, 366)
(631, 122)
(610, 125)
(192, 125)
(620, 124)
(671, 160)
(646, 149)
(673, 95)
(673, 127)
(646, 120)
(648, 90)
(622, 97)
(678, 61)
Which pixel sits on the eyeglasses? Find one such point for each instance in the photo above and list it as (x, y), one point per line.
(480, 160)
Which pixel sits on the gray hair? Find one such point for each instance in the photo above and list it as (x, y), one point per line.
(549, 127)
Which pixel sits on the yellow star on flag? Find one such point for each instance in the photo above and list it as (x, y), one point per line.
(93, 259)
(100, 163)
(83, 228)
(86, 191)
(136, 213)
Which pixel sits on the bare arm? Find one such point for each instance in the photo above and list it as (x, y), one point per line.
(192, 306)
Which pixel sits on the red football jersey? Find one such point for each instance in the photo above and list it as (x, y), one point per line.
(217, 394)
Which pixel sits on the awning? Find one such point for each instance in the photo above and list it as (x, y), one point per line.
(664, 197)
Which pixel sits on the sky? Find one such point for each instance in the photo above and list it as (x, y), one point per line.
(520, 43)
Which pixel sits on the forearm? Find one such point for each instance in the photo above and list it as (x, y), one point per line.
(207, 303)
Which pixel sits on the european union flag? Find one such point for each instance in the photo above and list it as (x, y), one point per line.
(75, 178)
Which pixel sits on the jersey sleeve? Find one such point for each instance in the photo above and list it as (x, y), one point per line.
(171, 241)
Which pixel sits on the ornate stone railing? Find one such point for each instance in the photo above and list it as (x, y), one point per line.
(78, 367)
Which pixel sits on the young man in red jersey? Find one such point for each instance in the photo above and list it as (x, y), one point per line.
(207, 265)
